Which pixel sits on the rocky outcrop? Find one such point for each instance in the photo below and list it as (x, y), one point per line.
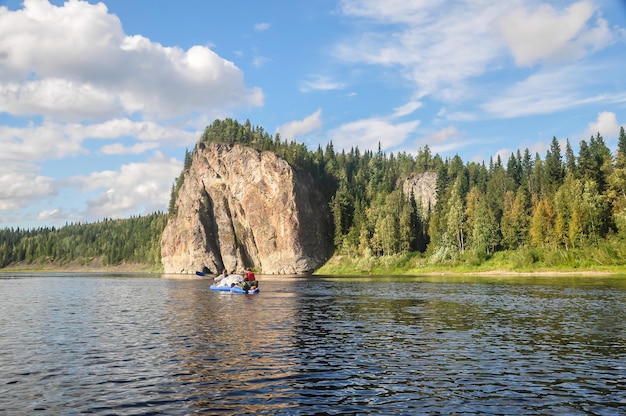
(424, 188)
(239, 207)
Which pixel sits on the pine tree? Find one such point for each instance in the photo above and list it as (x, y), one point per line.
(621, 142)
(587, 164)
(570, 159)
(553, 167)
(508, 222)
(602, 155)
(616, 192)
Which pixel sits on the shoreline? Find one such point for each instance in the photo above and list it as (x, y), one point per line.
(143, 268)
(78, 268)
(504, 273)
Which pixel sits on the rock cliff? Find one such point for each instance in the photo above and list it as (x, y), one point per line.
(239, 207)
(424, 188)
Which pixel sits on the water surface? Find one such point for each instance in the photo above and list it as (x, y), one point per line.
(141, 344)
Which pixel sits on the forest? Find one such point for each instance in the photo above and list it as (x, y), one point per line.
(135, 240)
(560, 209)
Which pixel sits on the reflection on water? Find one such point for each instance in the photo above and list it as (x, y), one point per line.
(135, 344)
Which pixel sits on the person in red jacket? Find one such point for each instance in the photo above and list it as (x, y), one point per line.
(249, 279)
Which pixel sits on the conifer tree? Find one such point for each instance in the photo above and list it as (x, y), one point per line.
(616, 192)
(508, 222)
(553, 167)
(570, 159)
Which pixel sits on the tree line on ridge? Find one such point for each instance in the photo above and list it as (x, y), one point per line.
(114, 242)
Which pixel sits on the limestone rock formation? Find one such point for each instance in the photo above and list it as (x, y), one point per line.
(424, 187)
(239, 207)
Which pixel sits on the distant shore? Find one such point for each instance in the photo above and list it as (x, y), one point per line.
(93, 267)
(527, 273)
(144, 268)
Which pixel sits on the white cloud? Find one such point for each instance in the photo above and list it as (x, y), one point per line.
(259, 61)
(444, 47)
(36, 143)
(54, 215)
(19, 189)
(56, 97)
(446, 140)
(406, 109)
(81, 79)
(456, 115)
(553, 35)
(261, 27)
(295, 129)
(74, 61)
(144, 131)
(442, 136)
(320, 83)
(438, 48)
(389, 11)
(52, 140)
(546, 92)
(120, 149)
(135, 187)
(368, 133)
(606, 124)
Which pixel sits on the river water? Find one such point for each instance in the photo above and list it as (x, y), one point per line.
(134, 344)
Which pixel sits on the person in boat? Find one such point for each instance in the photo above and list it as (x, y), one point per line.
(229, 280)
(221, 276)
(249, 280)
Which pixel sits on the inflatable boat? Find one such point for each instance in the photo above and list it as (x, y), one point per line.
(234, 289)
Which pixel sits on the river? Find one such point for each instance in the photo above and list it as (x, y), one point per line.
(140, 344)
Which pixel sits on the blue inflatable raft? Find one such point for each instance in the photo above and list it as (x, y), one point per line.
(234, 289)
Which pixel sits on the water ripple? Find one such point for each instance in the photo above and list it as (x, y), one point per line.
(138, 345)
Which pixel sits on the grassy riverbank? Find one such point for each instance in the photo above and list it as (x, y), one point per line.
(598, 260)
(604, 259)
(95, 265)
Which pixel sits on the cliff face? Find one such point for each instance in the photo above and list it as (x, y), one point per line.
(238, 207)
(424, 188)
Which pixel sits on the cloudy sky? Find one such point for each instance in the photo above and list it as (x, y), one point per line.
(100, 100)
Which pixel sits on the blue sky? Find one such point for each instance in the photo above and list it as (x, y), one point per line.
(98, 101)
